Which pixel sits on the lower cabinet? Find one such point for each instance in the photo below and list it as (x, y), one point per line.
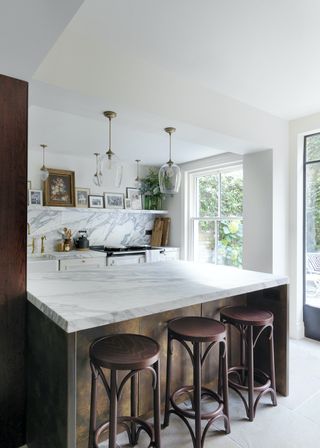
(126, 259)
(78, 264)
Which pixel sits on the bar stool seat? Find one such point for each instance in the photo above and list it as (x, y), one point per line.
(124, 352)
(197, 330)
(251, 323)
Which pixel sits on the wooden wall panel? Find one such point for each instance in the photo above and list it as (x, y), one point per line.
(13, 220)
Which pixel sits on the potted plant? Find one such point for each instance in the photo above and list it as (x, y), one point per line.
(150, 190)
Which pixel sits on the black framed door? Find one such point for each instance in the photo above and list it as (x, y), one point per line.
(311, 264)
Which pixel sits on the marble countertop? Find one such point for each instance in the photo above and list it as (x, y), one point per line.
(80, 300)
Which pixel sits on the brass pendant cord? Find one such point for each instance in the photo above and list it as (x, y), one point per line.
(170, 151)
(110, 134)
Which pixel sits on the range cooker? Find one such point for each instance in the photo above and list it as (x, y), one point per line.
(130, 254)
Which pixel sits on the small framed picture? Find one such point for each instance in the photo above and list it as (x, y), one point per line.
(35, 197)
(95, 201)
(113, 200)
(135, 197)
(82, 195)
(59, 188)
(127, 203)
(29, 185)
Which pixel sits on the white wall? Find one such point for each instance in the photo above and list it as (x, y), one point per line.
(258, 211)
(297, 129)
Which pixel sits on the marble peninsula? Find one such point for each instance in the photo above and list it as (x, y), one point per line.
(67, 311)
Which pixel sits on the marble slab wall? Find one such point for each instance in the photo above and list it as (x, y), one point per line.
(112, 228)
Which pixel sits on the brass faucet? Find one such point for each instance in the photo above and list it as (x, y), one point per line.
(29, 228)
(42, 243)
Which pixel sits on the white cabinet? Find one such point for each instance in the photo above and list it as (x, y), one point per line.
(125, 260)
(82, 264)
(42, 265)
(170, 253)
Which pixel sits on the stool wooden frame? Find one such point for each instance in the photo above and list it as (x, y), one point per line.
(196, 391)
(138, 362)
(251, 324)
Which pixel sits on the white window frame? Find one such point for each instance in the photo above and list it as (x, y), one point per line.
(192, 204)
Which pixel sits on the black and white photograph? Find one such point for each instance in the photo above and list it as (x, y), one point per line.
(35, 197)
(82, 195)
(127, 203)
(135, 197)
(114, 200)
(96, 201)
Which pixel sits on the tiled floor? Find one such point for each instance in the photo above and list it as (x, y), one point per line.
(294, 423)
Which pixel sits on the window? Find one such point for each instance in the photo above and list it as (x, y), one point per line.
(215, 221)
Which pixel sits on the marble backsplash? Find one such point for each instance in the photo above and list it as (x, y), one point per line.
(112, 228)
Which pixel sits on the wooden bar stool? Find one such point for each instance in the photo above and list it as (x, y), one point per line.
(134, 353)
(197, 330)
(251, 323)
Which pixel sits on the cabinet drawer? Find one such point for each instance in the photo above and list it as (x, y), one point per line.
(122, 260)
(82, 264)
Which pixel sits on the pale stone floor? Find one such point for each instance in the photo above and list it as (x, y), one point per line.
(294, 423)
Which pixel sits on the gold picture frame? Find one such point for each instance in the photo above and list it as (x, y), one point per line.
(59, 188)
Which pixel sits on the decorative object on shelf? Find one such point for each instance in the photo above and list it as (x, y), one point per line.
(169, 173)
(44, 173)
(110, 160)
(114, 200)
(29, 185)
(95, 201)
(67, 239)
(151, 191)
(82, 197)
(35, 197)
(137, 180)
(98, 176)
(127, 203)
(134, 194)
(59, 188)
(81, 242)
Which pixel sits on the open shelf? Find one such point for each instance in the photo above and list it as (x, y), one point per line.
(97, 210)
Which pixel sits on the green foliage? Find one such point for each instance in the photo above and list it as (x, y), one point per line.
(150, 184)
(229, 230)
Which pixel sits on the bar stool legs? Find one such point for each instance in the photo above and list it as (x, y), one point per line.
(197, 392)
(251, 324)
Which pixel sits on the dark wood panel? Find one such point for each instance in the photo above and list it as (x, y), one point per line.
(13, 219)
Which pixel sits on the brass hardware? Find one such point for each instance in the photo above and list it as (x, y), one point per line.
(109, 114)
(32, 244)
(170, 130)
(42, 243)
(29, 228)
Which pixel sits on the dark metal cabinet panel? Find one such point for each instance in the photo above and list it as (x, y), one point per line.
(13, 220)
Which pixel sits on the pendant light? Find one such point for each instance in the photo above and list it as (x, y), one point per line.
(114, 168)
(137, 179)
(97, 177)
(169, 173)
(44, 173)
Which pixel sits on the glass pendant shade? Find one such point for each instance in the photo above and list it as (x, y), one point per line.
(111, 165)
(44, 173)
(169, 173)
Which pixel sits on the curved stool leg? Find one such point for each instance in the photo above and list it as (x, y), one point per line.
(134, 409)
(156, 406)
(225, 389)
(113, 410)
(250, 373)
(93, 404)
(197, 393)
(272, 370)
(168, 382)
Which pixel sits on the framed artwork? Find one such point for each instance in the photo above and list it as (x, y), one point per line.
(135, 197)
(114, 200)
(59, 188)
(127, 203)
(95, 201)
(35, 197)
(82, 195)
(29, 185)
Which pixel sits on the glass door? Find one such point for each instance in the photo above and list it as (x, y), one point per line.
(311, 311)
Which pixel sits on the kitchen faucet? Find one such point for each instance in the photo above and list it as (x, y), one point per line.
(42, 243)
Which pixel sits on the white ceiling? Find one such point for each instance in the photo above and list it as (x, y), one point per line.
(263, 53)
